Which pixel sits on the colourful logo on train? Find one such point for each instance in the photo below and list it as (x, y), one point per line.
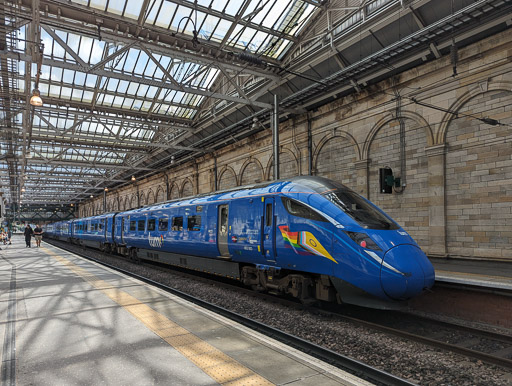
(304, 243)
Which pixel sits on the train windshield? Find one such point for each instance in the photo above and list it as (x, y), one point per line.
(360, 210)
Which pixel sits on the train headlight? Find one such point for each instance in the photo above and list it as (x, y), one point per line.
(363, 240)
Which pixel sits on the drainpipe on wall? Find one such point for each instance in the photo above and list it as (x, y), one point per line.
(310, 146)
(275, 137)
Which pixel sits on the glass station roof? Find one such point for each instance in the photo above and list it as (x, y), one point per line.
(256, 26)
(110, 103)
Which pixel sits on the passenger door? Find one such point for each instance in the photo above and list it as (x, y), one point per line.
(222, 230)
(122, 231)
(268, 234)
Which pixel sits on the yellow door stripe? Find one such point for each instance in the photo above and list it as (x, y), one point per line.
(221, 367)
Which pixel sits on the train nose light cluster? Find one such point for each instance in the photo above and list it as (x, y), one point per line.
(363, 240)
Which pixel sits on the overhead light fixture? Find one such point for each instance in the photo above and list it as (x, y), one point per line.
(91, 196)
(36, 100)
(106, 189)
(133, 178)
(22, 189)
(71, 205)
(172, 159)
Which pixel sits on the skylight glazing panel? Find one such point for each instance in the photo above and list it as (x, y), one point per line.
(43, 88)
(127, 104)
(132, 88)
(165, 14)
(98, 4)
(181, 22)
(261, 14)
(221, 30)
(142, 62)
(146, 106)
(77, 95)
(152, 11)
(79, 78)
(91, 80)
(131, 60)
(116, 6)
(208, 26)
(258, 42)
(104, 100)
(245, 38)
(152, 90)
(150, 70)
(56, 74)
(87, 96)
(198, 18)
(133, 9)
(112, 84)
(280, 49)
(54, 91)
(118, 63)
(143, 90)
(122, 87)
(118, 101)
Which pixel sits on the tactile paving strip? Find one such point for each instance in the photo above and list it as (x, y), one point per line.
(221, 367)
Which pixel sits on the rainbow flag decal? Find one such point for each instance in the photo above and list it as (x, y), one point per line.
(304, 243)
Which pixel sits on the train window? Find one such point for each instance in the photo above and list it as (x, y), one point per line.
(268, 215)
(133, 225)
(141, 225)
(151, 224)
(300, 210)
(194, 223)
(177, 223)
(224, 220)
(366, 214)
(163, 224)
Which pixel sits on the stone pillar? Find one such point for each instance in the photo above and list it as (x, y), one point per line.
(437, 201)
(362, 178)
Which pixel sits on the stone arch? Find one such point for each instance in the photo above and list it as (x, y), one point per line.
(478, 186)
(126, 203)
(115, 204)
(335, 157)
(160, 195)
(187, 188)
(389, 117)
(150, 197)
(174, 192)
(289, 160)
(133, 201)
(142, 199)
(251, 172)
(227, 178)
(481, 88)
(382, 149)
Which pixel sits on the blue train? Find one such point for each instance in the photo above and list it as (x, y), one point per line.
(307, 237)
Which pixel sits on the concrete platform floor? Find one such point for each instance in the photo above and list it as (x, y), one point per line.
(67, 321)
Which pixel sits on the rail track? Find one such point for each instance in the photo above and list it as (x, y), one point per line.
(478, 344)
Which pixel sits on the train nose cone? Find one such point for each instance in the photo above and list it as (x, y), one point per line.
(406, 272)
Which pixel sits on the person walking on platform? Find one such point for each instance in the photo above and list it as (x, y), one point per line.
(28, 235)
(38, 234)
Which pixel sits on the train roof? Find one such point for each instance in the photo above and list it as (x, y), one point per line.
(302, 184)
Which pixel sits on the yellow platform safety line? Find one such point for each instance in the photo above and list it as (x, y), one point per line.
(479, 275)
(219, 366)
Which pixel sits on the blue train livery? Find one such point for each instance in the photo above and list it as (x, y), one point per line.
(307, 237)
